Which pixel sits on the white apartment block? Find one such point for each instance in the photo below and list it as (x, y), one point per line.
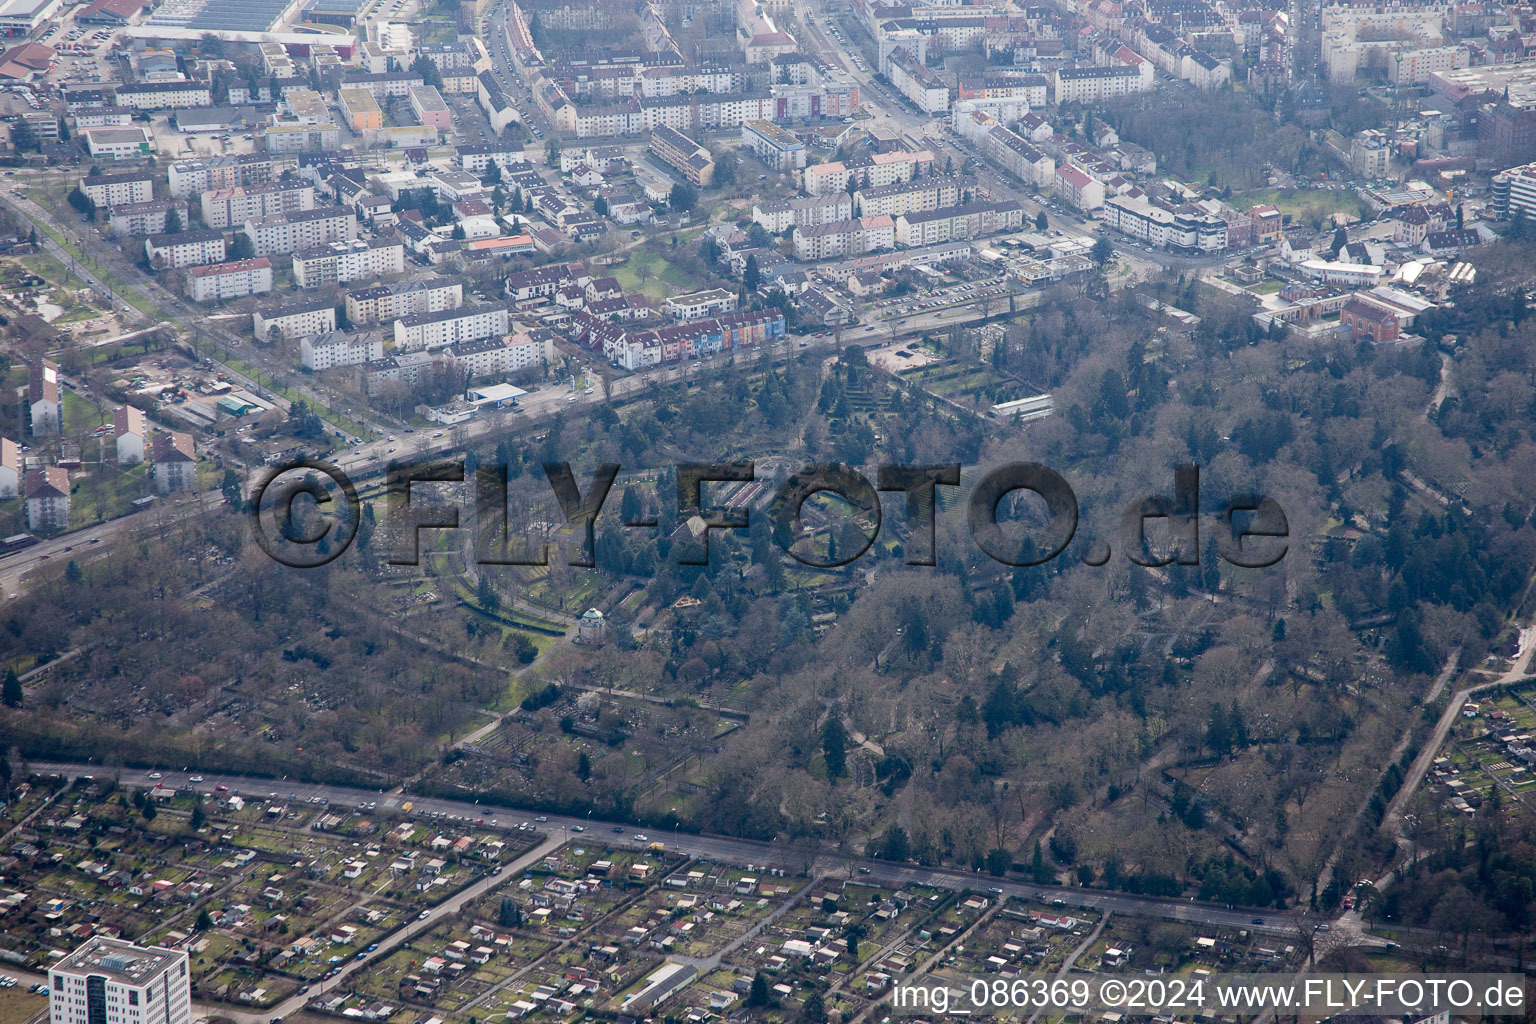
(118, 189)
(185, 249)
(227, 207)
(1078, 189)
(340, 262)
(232, 280)
(916, 81)
(450, 327)
(387, 303)
(290, 232)
(845, 238)
(1094, 85)
(324, 351)
(164, 95)
(175, 466)
(130, 427)
(187, 178)
(914, 196)
(1159, 226)
(958, 223)
(47, 492)
(294, 319)
(139, 219)
(44, 401)
(1413, 67)
(698, 305)
(11, 468)
(803, 212)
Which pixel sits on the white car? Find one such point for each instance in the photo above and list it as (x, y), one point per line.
(196, 778)
(154, 775)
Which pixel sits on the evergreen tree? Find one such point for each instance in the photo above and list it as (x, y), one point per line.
(199, 819)
(204, 920)
(510, 915)
(11, 693)
(757, 995)
(834, 744)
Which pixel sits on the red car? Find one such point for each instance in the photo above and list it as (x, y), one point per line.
(221, 788)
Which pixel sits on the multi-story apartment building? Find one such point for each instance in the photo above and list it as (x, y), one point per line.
(386, 85)
(302, 229)
(183, 95)
(47, 493)
(1184, 228)
(130, 428)
(1019, 158)
(340, 262)
(293, 138)
(232, 280)
(360, 110)
(188, 178)
(870, 171)
(11, 468)
(107, 190)
(916, 81)
(294, 319)
(844, 238)
(450, 327)
(635, 350)
(1096, 84)
(688, 157)
(45, 403)
(956, 223)
(427, 103)
(804, 211)
(185, 249)
(231, 207)
(698, 305)
(338, 348)
(544, 282)
(175, 466)
(774, 146)
(920, 194)
(139, 219)
(390, 302)
(1078, 189)
(477, 158)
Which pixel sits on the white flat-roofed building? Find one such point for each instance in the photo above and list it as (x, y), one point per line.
(776, 147)
(303, 229)
(340, 262)
(295, 319)
(106, 190)
(187, 178)
(450, 327)
(336, 348)
(698, 305)
(232, 280)
(476, 158)
(108, 981)
(430, 110)
(22, 17)
(185, 249)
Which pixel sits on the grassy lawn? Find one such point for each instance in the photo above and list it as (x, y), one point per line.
(123, 292)
(17, 1005)
(1297, 202)
(662, 277)
(107, 492)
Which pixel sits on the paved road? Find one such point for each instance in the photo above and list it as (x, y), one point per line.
(723, 848)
